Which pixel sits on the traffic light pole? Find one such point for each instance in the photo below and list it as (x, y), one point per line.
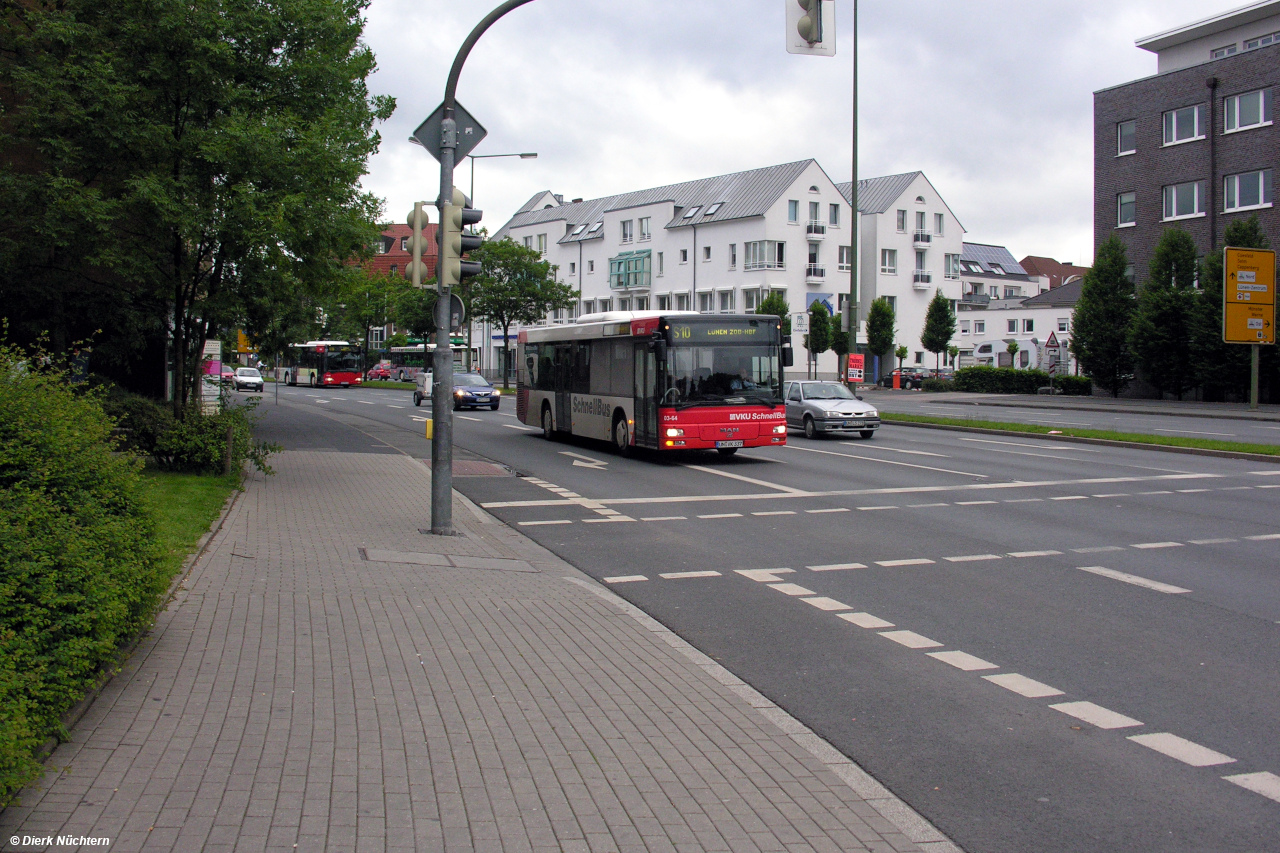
(851, 314)
(442, 362)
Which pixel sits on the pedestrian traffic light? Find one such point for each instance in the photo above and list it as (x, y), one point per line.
(455, 242)
(811, 27)
(416, 271)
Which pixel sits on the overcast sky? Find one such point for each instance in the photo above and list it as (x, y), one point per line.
(991, 99)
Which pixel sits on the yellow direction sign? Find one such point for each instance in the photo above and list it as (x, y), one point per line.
(1249, 296)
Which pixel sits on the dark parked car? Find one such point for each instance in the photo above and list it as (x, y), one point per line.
(473, 391)
(910, 377)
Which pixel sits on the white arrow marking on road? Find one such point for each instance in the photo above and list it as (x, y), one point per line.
(587, 461)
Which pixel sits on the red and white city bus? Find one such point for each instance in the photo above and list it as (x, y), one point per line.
(675, 381)
(323, 364)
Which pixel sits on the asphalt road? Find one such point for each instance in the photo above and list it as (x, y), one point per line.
(1068, 417)
(1039, 646)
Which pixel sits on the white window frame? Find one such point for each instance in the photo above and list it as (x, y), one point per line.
(1064, 324)
(833, 215)
(1231, 111)
(1166, 128)
(902, 222)
(888, 261)
(661, 265)
(1028, 326)
(793, 211)
(684, 256)
(591, 266)
(706, 254)
(588, 306)
(706, 302)
(1231, 190)
(964, 327)
(1120, 205)
(1121, 151)
(979, 327)
(628, 230)
(751, 299)
(528, 241)
(764, 255)
(1197, 201)
(542, 244)
(645, 234)
(573, 267)
(682, 302)
(721, 297)
(844, 258)
(951, 264)
(1011, 327)
(939, 224)
(664, 301)
(733, 256)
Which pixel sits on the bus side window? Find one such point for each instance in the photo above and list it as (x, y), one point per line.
(546, 368)
(580, 383)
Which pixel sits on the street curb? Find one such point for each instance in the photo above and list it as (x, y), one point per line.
(1035, 403)
(1106, 442)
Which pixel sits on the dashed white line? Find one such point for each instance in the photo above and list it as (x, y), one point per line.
(836, 567)
(865, 620)
(1114, 495)
(1098, 550)
(1196, 432)
(1022, 554)
(626, 579)
(1188, 752)
(1071, 498)
(1151, 546)
(1156, 493)
(366, 403)
(1266, 784)
(1147, 583)
(963, 660)
(608, 519)
(666, 518)
(466, 418)
(973, 503)
(1236, 488)
(1025, 501)
(824, 511)
(1269, 486)
(925, 506)
(918, 561)
(1023, 686)
(1211, 541)
(791, 589)
(723, 515)
(1266, 473)
(910, 639)
(395, 407)
(522, 429)
(1192, 491)
(825, 603)
(764, 575)
(544, 523)
(972, 558)
(1096, 715)
(744, 479)
(1263, 538)
(874, 508)
(675, 576)
(776, 512)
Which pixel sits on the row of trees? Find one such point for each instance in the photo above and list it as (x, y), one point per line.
(1170, 331)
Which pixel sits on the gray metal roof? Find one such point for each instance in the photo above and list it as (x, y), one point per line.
(875, 195)
(986, 255)
(1065, 296)
(741, 194)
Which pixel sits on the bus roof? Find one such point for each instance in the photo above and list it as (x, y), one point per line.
(324, 344)
(620, 324)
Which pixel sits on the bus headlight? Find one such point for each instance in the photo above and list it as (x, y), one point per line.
(780, 429)
(672, 432)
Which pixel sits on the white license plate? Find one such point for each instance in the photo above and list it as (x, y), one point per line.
(734, 443)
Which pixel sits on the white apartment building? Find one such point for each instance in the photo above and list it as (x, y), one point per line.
(723, 244)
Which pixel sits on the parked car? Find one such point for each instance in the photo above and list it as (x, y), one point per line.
(473, 391)
(379, 371)
(819, 408)
(909, 377)
(247, 377)
(227, 376)
(942, 373)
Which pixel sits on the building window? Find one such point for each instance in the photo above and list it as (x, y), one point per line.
(1252, 109)
(528, 242)
(902, 222)
(938, 221)
(919, 259)
(733, 256)
(573, 267)
(1224, 52)
(889, 261)
(630, 270)
(1263, 41)
(764, 255)
(684, 256)
(813, 254)
(542, 244)
(844, 259)
(1028, 326)
(588, 306)
(606, 305)
(833, 216)
(920, 218)
(644, 228)
(692, 212)
(1064, 324)
(713, 208)
(1184, 125)
(624, 304)
(1126, 209)
(951, 266)
(979, 327)
(964, 327)
(793, 210)
(750, 300)
(1126, 137)
(919, 356)
(642, 303)
(893, 303)
(1183, 200)
(395, 268)
(815, 211)
(1012, 326)
(682, 302)
(1012, 292)
(1251, 189)
(706, 253)
(627, 235)
(591, 266)
(664, 302)
(404, 244)
(706, 303)
(661, 265)
(726, 302)
(382, 246)
(996, 268)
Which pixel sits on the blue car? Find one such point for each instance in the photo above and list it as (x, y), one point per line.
(473, 391)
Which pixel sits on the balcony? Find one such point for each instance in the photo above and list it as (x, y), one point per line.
(817, 229)
(922, 279)
(922, 238)
(983, 299)
(815, 274)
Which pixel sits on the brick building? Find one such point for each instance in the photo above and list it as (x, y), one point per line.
(391, 257)
(1194, 146)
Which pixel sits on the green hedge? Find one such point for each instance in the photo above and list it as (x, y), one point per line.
(1010, 380)
(938, 385)
(80, 570)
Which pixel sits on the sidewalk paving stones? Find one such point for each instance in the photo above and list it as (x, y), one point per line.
(327, 677)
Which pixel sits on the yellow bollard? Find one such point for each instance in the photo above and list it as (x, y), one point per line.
(430, 424)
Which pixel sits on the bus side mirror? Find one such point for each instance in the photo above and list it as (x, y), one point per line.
(659, 350)
(788, 357)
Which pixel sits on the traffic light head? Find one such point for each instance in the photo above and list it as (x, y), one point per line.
(415, 270)
(456, 216)
(809, 27)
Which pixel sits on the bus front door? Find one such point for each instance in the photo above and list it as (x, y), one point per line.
(646, 400)
(564, 389)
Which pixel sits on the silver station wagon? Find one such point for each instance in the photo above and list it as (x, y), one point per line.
(822, 407)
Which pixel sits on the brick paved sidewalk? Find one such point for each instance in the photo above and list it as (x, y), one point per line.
(329, 678)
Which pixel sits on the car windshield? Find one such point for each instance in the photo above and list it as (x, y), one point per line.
(722, 375)
(826, 391)
(251, 372)
(469, 379)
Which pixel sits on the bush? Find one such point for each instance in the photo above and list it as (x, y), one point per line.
(938, 385)
(80, 570)
(1078, 386)
(198, 442)
(142, 420)
(1012, 380)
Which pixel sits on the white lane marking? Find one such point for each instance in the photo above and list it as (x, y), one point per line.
(544, 523)
(1192, 491)
(895, 449)
(608, 519)
(601, 511)
(322, 401)
(1151, 546)
(395, 407)
(1114, 495)
(926, 506)
(1211, 541)
(1235, 488)
(1103, 571)
(626, 579)
(1266, 473)
(791, 589)
(1023, 686)
(1096, 715)
(776, 512)
(865, 620)
(835, 567)
(666, 518)
(1036, 446)
(1028, 453)
(1098, 550)
(874, 508)
(918, 561)
(910, 639)
(1025, 501)
(587, 461)
(973, 503)
(963, 660)
(466, 418)
(1156, 493)
(972, 558)
(1266, 784)
(885, 461)
(1263, 538)
(1188, 752)
(1196, 432)
(732, 476)
(418, 419)
(1034, 553)
(823, 511)
(1071, 498)
(675, 576)
(765, 575)
(366, 403)
(825, 603)
(723, 515)
(1270, 486)
(522, 429)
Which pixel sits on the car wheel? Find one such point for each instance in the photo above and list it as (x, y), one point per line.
(399, 376)
(548, 424)
(494, 407)
(810, 428)
(867, 433)
(621, 437)
(457, 407)
(313, 380)
(726, 451)
(417, 398)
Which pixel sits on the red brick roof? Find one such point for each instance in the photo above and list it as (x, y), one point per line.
(1056, 272)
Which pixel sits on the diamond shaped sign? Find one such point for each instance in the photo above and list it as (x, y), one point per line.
(469, 132)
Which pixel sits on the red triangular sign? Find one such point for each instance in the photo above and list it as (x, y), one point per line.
(1052, 343)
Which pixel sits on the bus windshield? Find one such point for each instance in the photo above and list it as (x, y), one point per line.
(342, 362)
(722, 375)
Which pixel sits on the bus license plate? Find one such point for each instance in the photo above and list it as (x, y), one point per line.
(735, 443)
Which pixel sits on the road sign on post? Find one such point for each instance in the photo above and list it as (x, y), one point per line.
(1249, 304)
(469, 132)
(856, 371)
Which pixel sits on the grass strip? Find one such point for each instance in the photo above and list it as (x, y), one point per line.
(186, 505)
(1108, 435)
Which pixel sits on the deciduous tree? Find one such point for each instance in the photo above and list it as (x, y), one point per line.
(939, 326)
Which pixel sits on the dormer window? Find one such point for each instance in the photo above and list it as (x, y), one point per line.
(997, 269)
(579, 230)
(692, 212)
(596, 227)
(713, 208)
